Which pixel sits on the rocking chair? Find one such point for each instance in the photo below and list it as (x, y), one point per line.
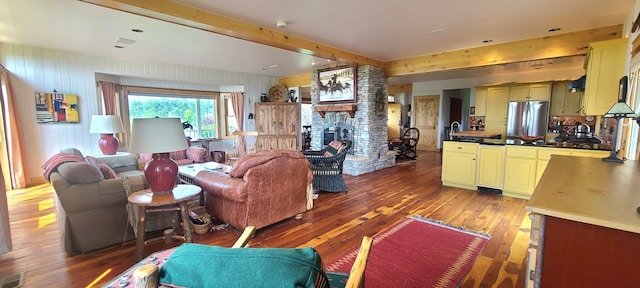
(406, 146)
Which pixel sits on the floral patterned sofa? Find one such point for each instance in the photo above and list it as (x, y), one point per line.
(184, 157)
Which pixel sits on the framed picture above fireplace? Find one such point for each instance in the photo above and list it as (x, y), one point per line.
(337, 84)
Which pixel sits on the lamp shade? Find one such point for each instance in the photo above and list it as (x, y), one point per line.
(158, 136)
(106, 125)
(620, 110)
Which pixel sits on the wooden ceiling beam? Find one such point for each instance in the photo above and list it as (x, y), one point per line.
(181, 14)
(562, 45)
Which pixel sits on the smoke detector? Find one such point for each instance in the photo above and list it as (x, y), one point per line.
(281, 24)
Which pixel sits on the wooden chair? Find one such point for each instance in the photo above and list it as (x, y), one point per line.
(234, 153)
(146, 276)
(355, 278)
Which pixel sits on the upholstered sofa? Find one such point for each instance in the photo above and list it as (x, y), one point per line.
(184, 157)
(259, 190)
(91, 204)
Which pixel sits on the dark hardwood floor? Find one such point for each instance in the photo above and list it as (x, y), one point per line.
(335, 224)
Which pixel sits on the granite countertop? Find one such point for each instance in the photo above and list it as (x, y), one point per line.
(591, 191)
(476, 134)
(518, 142)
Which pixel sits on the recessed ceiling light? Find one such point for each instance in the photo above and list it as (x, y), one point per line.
(554, 29)
(487, 41)
(137, 30)
(274, 66)
(281, 24)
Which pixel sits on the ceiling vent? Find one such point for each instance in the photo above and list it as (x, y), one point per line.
(125, 41)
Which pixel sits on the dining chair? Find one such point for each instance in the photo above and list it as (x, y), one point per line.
(249, 138)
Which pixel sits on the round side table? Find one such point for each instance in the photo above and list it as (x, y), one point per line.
(145, 199)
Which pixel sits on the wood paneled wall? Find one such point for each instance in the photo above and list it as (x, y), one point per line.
(36, 69)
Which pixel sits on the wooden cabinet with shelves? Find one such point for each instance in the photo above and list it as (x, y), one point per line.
(278, 125)
(605, 66)
(459, 164)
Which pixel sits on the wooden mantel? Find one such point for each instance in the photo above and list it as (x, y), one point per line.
(349, 108)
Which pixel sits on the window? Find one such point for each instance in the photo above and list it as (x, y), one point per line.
(198, 110)
(231, 123)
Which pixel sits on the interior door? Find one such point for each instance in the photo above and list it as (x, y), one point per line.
(393, 120)
(426, 120)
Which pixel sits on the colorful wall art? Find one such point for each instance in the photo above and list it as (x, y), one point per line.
(56, 108)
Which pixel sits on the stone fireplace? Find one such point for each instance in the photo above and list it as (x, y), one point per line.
(361, 123)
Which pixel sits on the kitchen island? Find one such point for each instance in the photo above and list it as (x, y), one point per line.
(585, 230)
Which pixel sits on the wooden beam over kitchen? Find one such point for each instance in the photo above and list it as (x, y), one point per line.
(181, 14)
(562, 45)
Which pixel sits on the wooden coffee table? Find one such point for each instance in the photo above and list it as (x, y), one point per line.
(145, 199)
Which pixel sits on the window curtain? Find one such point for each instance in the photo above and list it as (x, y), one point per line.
(13, 133)
(110, 102)
(237, 101)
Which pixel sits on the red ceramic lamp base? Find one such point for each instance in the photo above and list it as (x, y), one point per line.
(108, 144)
(161, 173)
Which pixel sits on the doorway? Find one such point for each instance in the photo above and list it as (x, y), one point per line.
(455, 110)
(426, 115)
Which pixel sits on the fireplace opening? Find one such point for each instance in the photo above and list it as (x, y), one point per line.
(338, 131)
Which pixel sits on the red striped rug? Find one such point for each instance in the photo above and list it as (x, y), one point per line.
(417, 252)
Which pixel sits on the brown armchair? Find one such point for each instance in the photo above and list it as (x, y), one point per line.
(261, 189)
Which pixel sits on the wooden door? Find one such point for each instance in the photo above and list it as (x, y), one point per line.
(394, 111)
(426, 120)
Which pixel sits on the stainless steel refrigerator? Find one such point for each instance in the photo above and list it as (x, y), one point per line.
(527, 118)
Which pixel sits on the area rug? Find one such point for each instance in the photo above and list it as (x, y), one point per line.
(417, 252)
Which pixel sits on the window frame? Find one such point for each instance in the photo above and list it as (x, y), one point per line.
(225, 107)
(173, 93)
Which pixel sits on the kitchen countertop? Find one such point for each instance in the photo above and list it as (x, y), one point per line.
(475, 134)
(519, 142)
(591, 191)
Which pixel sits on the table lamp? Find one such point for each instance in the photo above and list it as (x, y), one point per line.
(158, 136)
(106, 125)
(619, 111)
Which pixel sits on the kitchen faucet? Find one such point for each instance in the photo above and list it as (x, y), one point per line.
(453, 129)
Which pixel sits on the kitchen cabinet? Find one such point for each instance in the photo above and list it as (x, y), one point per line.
(563, 102)
(496, 110)
(530, 92)
(519, 93)
(520, 171)
(278, 125)
(544, 155)
(459, 164)
(490, 166)
(590, 153)
(481, 101)
(605, 65)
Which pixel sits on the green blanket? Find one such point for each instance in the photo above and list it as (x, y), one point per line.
(196, 265)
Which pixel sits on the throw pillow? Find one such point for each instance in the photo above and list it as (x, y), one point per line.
(333, 148)
(80, 172)
(106, 170)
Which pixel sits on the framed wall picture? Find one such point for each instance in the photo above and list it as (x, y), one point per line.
(337, 84)
(56, 108)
